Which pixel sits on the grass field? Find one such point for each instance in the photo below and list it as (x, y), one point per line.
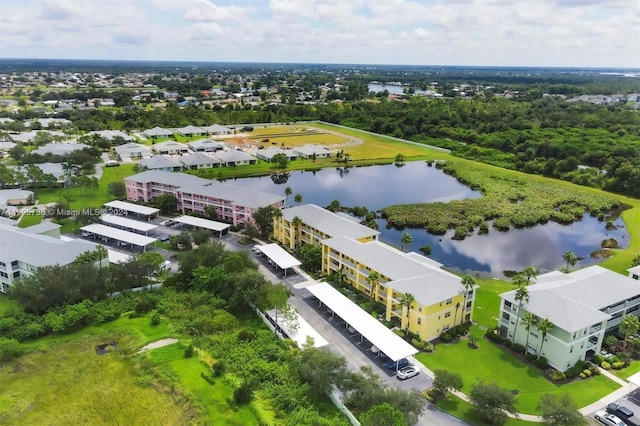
(464, 410)
(6, 303)
(30, 220)
(68, 384)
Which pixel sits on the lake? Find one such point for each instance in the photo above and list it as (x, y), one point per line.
(377, 187)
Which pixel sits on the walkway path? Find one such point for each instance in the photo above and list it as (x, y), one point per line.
(158, 344)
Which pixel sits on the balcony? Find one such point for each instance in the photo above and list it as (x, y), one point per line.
(595, 328)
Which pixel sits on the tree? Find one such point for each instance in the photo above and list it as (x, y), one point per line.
(635, 261)
(493, 402)
(280, 161)
(529, 273)
(278, 298)
(167, 203)
(17, 152)
(570, 258)
(469, 284)
(296, 222)
(544, 326)
(298, 199)
(383, 415)
(406, 239)
(264, 219)
(311, 257)
(444, 381)
(322, 369)
(629, 326)
(335, 206)
(117, 189)
(559, 411)
(373, 279)
(529, 321)
(521, 297)
(152, 259)
(287, 191)
(407, 300)
(211, 212)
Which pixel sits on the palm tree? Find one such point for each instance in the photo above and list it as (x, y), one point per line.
(455, 317)
(407, 300)
(530, 272)
(468, 283)
(334, 206)
(522, 297)
(571, 258)
(298, 199)
(629, 326)
(406, 239)
(372, 280)
(544, 326)
(102, 253)
(529, 321)
(296, 222)
(287, 191)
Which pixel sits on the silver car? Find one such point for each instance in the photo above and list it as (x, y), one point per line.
(408, 372)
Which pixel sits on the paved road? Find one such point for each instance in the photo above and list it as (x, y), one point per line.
(356, 352)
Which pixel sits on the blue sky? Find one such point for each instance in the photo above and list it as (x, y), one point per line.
(576, 33)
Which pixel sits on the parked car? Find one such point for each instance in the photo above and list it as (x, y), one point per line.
(164, 237)
(408, 372)
(608, 419)
(256, 249)
(170, 223)
(374, 349)
(397, 365)
(619, 411)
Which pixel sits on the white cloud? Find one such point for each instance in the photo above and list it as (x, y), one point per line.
(457, 32)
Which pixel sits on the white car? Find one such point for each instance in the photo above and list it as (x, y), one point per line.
(408, 372)
(608, 419)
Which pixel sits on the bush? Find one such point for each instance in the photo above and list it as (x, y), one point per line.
(586, 372)
(446, 337)
(492, 334)
(610, 341)
(155, 319)
(9, 349)
(517, 348)
(207, 378)
(244, 393)
(618, 365)
(597, 359)
(144, 305)
(189, 351)
(594, 368)
(555, 375)
(582, 376)
(422, 345)
(574, 371)
(605, 365)
(218, 368)
(541, 362)
(246, 336)
(530, 357)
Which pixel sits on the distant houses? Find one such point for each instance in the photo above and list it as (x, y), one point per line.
(199, 160)
(160, 162)
(132, 151)
(268, 153)
(158, 132)
(60, 148)
(312, 151)
(205, 145)
(170, 147)
(112, 135)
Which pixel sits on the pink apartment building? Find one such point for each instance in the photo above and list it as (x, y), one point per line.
(233, 204)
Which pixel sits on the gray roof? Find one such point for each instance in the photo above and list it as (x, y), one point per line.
(111, 134)
(634, 270)
(38, 250)
(60, 148)
(190, 130)
(216, 128)
(7, 145)
(197, 159)
(28, 136)
(310, 149)
(575, 300)
(234, 156)
(413, 274)
(168, 178)
(203, 143)
(158, 131)
(159, 162)
(132, 148)
(46, 122)
(251, 198)
(13, 194)
(54, 169)
(6, 120)
(327, 222)
(273, 150)
(42, 227)
(169, 145)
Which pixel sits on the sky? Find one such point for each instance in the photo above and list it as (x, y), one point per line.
(569, 33)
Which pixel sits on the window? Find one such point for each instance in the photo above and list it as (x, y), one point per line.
(14, 263)
(447, 314)
(446, 327)
(16, 274)
(419, 308)
(419, 321)
(449, 301)
(505, 316)
(507, 304)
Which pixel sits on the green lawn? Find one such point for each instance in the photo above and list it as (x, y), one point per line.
(487, 305)
(6, 303)
(492, 363)
(30, 220)
(464, 410)
(81, 198)
(68, 384)
(212, 398)
(628, 371)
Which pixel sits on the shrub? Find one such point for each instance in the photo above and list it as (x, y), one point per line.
(246, 335)
(144, 305)
(244, 393)
(155, 319)
(582, 376)
(492, 334)
(597, 359)
(218, 368)
(605, 365)
(422, 345)
(555, 375)
(189, 351)
(587, 372)
(618, 365)
(573, 372)
(530, 357)
(610, 341)
(207, 378)
(446, 337)
(9, 349)
(594, 368)
(541, 362)
(517, 348)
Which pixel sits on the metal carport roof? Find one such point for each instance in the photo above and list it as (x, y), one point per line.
(130, 207)
(202, 223)
(279, 256)
(384, 339)
(119, 234)
(127, 223)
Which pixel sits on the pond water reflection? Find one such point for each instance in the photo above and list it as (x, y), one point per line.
(486, 255)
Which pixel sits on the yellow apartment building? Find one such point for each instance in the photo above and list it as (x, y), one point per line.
(310, 224)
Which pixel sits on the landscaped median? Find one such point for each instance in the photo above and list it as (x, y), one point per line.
(492, 363)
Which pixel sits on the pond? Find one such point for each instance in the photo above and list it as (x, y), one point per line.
(377, 187)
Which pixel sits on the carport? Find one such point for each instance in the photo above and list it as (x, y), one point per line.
(198, 222)
(279, 256)
(147, 212)
(107, 232)
(370, 328)
(127, 224)
(634, 380)
(298, 329)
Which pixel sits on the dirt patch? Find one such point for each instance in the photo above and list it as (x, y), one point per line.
(158, 344)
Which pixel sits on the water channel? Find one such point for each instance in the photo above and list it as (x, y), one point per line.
(484, 255)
